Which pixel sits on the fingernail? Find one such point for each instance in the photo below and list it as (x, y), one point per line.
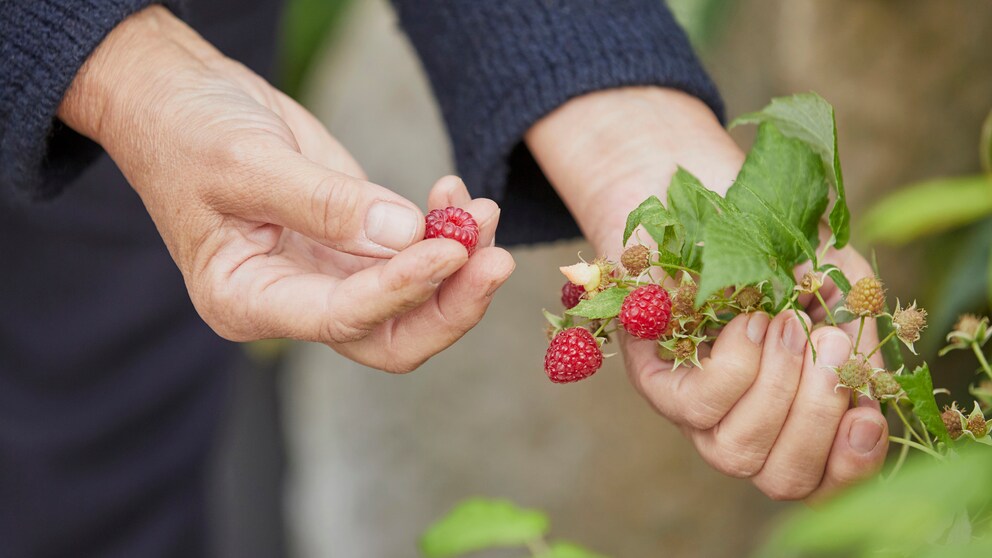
(794, 336)
(445, 271)
(833, 350)
(864, 435)
(757, 324)
(391, 225)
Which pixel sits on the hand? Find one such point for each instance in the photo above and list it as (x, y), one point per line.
(269, 219)
(760, 408)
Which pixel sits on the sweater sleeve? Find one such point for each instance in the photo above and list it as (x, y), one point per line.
(498, 67)
(43, 43)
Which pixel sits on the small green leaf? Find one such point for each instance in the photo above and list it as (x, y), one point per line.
(810, 118)
(604, 305)
(478, 524)
(919, 388)
(738, 252)
(839, 279)
(782, 185)
(651, 215)
(926, 208)
(692, 205)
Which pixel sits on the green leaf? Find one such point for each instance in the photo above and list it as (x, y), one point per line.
(927, 208)
(604, 305)
(919, 388)
(902, 516)
(782, 185)
(738, 252)
(809, 118)
(307, 27)
(692, 205)
(478, 524)
(563, 549)
(838, 277)
(651, 215)
(985, 145)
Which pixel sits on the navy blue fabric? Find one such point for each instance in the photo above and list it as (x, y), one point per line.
(110, 385)
(497, 67)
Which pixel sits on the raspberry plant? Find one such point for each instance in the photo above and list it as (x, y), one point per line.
(687, 273)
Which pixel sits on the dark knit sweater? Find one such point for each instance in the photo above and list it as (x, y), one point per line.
(110, 384)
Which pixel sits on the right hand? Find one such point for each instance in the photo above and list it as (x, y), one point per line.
(760, 408)
(270, 220)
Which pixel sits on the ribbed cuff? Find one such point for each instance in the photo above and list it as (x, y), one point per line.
(43, 43)
(498, 67)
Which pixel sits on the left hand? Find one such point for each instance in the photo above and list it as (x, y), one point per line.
(760, 408)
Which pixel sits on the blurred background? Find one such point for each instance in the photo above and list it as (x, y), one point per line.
(322, 457)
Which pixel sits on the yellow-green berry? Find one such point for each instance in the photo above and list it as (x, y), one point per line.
(867, 297)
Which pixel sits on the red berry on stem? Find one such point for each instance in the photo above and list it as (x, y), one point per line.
(571, 294)
(646, 312)
(454, 223)
(572, 356)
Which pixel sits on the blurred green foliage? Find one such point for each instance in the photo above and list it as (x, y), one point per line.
(702, 19)
(307, 25)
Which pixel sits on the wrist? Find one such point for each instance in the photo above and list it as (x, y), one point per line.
(117, 81)
(607, 151)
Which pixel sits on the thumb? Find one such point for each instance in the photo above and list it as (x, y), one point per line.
(858, 452)
(338, 210)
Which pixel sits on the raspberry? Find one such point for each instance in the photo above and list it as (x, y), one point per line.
(646, 312)
(685, 348)
(749, 297)
(635, 259)
(909, 322)
(977, 425)
(571, 294)
(968, 324)
(867, 297)
(810, 283)
(572, 356)
(454, 223)
(952, 421)
(854, 373)
(684, 301)
(884, 384)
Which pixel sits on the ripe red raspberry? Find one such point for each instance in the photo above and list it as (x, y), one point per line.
(645, 313)
(572, 356)
(571, 294)
(454, 223)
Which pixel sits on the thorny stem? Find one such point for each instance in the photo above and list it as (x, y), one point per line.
(920, 447)
(879, 346)
(809, 340)
(823, 303)
(981, 358)
(861, 329)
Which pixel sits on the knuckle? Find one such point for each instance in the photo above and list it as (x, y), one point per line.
(403, 365)
(785, 488)
(337, 331)
(739, 459)
(700, 415)
(334, 202)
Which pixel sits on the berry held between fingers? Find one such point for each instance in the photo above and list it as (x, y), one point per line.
(854, 373)
(572, 356)
(646, 312)
(454, 223)
(571, 294)
(867, 297)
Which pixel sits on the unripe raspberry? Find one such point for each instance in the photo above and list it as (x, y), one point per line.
(684, 301)
(977, 425)
(968, 324)
(909, 322)
(685, 349)
(589, 276)
(854, 373)
(636, 259)
(749, 297)
(867, 297)
(571, 294)
(952, 421)
(884, 384)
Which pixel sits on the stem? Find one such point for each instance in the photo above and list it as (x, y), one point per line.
(903, 453)
(861, 329)
(914, 445)
(602, 327)
(823, 303)
(672, 266)
(909, 427)
(883, 342)
(981, 358)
